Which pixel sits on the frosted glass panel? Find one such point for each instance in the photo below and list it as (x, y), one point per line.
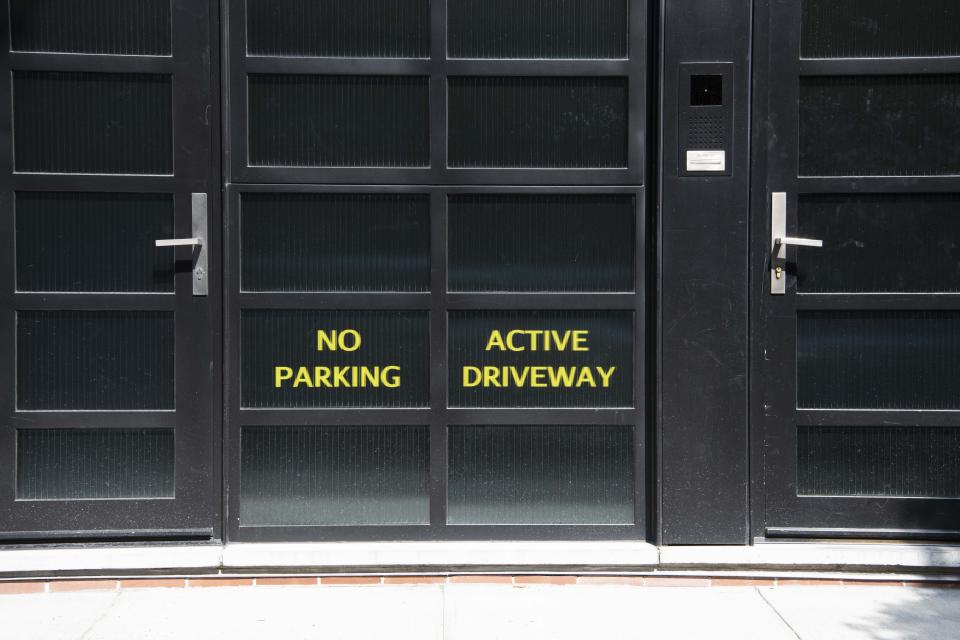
(335, 242)
(879, 125)
(339, 28)
(89, 360)
(565, 29)
(128, 27)
(880, 28)
(95, 464)
(343, 475)
(512, 242)
(541, 475)
(339, 121)
(886, 461)
(93, 242)
(878, 359)
(92, 122)
(530, 122)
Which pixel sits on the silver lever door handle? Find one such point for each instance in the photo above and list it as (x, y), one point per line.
(198, 210)
(180, 242)
(779, 241)
(796, 242)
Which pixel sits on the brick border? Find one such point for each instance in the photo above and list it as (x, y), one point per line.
(17, 587)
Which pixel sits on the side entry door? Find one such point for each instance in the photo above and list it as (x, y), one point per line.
(857, 269)
(107, 340)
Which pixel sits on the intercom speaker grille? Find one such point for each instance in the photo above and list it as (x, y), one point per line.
(706, 131)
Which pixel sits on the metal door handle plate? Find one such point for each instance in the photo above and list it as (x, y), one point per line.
(779, 241)
(198, 203)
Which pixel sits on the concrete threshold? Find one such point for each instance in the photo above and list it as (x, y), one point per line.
(763, 559)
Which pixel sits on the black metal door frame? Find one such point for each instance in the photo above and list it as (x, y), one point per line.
(438, 180)
(194, 511)
(777, 510)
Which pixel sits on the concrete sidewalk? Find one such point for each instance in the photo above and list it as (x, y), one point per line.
(485, 611)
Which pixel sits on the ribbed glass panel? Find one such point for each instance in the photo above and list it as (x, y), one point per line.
(537, 28)
(336, 475)
(523, 122)
(338, 28)
(92, 122)
(884, 461)
(878, 359)
(512, 242)
(896, 243)
(543, 363)
(87, 360)
(879, 125)
(335, 242)
(93, 242)
(133, 27)
(95, 464)
(880, 28)
(339, 121)
(389, 368)
(540, 475)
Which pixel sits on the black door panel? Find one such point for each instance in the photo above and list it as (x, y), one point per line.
(858, 408)
(109, 361)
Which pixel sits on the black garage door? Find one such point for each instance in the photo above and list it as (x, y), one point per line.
(436, 269)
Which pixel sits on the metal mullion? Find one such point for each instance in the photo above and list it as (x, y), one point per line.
(96, 419)
(543, 301)
(590, 416)
(439, 390)
(322, 175)
(94, 301)
(235, 120)
(641, 504)
(438, 91)
(878, 301)
(232, 399)
(337, 66)
(93, 63)
(879, 66)
(637, 69)
(877, 184)
(537, 68)
(313, 301)
(878, 417)
(616, 176)
(543, 189)
(94, 182)
(331, 417)
(312, 188)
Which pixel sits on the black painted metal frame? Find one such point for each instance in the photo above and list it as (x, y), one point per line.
(438, 416)
(194, 512)
(702, 243)
(776, 509)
